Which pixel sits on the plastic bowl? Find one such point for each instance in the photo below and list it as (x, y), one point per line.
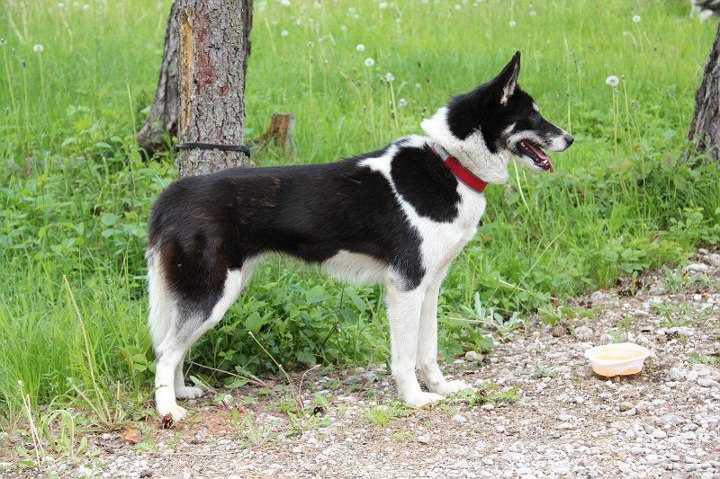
(620, 359)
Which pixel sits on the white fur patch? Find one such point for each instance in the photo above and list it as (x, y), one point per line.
(355, 268)
(472, 152)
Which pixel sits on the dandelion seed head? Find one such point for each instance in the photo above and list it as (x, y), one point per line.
(612, 81)
(389, 77)
(86, 7)
(382, 5)
(343, 28)
(285, 3)
(513, 23)
(360, 47)
(284, 33)
(369, 62)
(418, 86)
(636, 18)
(402, 103)
(38, 48)
(532, 13)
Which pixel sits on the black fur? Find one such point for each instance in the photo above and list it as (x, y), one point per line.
(205, 225)
(482, 110)
(425, 182)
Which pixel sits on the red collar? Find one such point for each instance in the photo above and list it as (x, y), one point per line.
(460, 172)
(465, 175)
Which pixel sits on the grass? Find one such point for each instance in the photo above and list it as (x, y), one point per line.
(75, 195)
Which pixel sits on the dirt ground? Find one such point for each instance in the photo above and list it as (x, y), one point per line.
(538, 410)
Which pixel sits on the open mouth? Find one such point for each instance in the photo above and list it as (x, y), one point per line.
(536, 153)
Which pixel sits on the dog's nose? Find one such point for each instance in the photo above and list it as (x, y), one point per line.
(570, 140)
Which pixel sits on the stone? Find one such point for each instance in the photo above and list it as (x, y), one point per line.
(583, 333)
(697, 268)
(706, 382)
(713, 259)
(652, 459)
(473, 356)
(459, 418)
(659, 434)
(558, 331)
(625, 406)
(676, 374)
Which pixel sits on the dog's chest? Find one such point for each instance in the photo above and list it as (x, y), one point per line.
(442, 242)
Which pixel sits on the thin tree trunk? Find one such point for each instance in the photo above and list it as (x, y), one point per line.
(163, 117)
(705, 127)
(214, 46)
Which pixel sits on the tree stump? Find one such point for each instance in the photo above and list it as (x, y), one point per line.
(705, 127)
(280, 132)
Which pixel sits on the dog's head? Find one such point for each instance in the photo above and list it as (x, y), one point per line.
(494, 122)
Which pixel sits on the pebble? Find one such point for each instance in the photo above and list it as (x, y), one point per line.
(652, 459)
(473, 356)
(558, 331)
(625, 406)
(713, 259)
(659, 434)
(459, 418)
(583, 333)
(423, 438)
(676, 374)
(697, 268)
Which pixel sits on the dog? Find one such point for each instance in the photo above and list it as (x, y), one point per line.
(704, 9)
(396, 216)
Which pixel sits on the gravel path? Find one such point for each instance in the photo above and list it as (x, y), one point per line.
(539, 412)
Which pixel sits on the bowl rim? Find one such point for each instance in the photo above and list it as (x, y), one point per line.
(644, 353)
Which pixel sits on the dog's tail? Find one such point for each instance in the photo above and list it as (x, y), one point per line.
(161, 304)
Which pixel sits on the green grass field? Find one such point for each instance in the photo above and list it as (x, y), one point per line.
(75, 82)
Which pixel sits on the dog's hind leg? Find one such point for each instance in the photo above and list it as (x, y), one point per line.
(188, 325)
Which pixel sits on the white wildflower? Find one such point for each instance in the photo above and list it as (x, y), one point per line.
(389, 77)
(382, 5)
(369, 62)
(285, 3)
(360, 47)
(636, 18)
(418, 86)
(284, 33)
(402, 103)
(513, 23)
(612, 81)
(343, 28)
(86, 7)
(38, 48)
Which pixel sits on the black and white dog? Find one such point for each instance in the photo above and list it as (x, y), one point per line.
(397, 216)
(704, 9)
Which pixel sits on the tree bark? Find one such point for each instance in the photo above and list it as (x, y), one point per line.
(163, 117)
(705, 127)
(214, 46)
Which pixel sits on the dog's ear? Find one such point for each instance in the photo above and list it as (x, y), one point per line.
(506, 81)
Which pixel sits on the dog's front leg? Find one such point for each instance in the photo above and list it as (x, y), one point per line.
(403, 309)
(427, 344)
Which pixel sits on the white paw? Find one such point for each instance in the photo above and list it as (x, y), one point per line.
(423, 399)
(176, 412)
(188, 392)
(451, 387)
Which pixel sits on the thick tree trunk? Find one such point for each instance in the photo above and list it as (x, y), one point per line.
(214, 46)
(705, 127)
(163, 117)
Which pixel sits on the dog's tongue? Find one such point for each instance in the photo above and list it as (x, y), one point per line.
(542, 159)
